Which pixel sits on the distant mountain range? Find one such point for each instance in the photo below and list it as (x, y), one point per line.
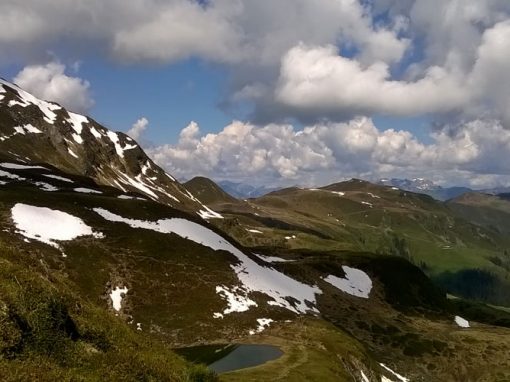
(243, 190)
(419, 185)
(428, 187)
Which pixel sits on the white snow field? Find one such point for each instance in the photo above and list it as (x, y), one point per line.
(356, 282)
(254, 277)
(47, 225)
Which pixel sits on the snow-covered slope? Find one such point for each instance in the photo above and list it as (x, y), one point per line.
(37, 131)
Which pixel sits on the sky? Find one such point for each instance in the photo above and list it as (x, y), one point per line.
(280, 92)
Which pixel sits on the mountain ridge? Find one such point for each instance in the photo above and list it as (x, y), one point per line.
(41, 131)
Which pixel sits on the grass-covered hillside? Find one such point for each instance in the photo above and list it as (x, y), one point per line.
(111, 303)
(51, 332)
(109, 268)
(461, 244)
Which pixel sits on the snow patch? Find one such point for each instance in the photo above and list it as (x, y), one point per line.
(399, 377)
(5, 174)
(84, 190)
(125, 197)
(236, 298)
(356, 282)
(58, 178)
(46, 186)
(272, 259)
(15, 166)
(48, 226)
(263, 324)
(26, 129)
(72, 153)
(116, 296)
(138, 184)
(207, 213)
(77, 121)
(114, 137)
(77, 138)
(115, 140)
(463, 323)
(95, 133)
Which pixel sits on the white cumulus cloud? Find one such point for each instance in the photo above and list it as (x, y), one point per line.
(318, 79)
(138, 128)
(278, 154)
(49, 82)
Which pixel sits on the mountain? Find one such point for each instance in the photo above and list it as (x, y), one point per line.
(36, 131)
(244, 191)
(425, 186)
(455, 247)
(496, 190)
(207, 191)
(505, 196)
(110, 270)
(484, 209)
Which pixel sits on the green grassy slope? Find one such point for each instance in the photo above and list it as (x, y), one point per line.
(59, 322)
(444, 239)
(207, 191)
(50, 331)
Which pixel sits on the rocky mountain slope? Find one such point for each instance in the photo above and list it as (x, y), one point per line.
(107, 268)
(37, 131)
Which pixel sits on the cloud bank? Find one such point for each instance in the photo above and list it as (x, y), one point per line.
(278, 154)
(295, 58)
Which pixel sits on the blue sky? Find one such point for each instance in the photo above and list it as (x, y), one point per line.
(168, 96)
(321, 91)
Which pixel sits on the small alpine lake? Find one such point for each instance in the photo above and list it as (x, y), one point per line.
(230, 357)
